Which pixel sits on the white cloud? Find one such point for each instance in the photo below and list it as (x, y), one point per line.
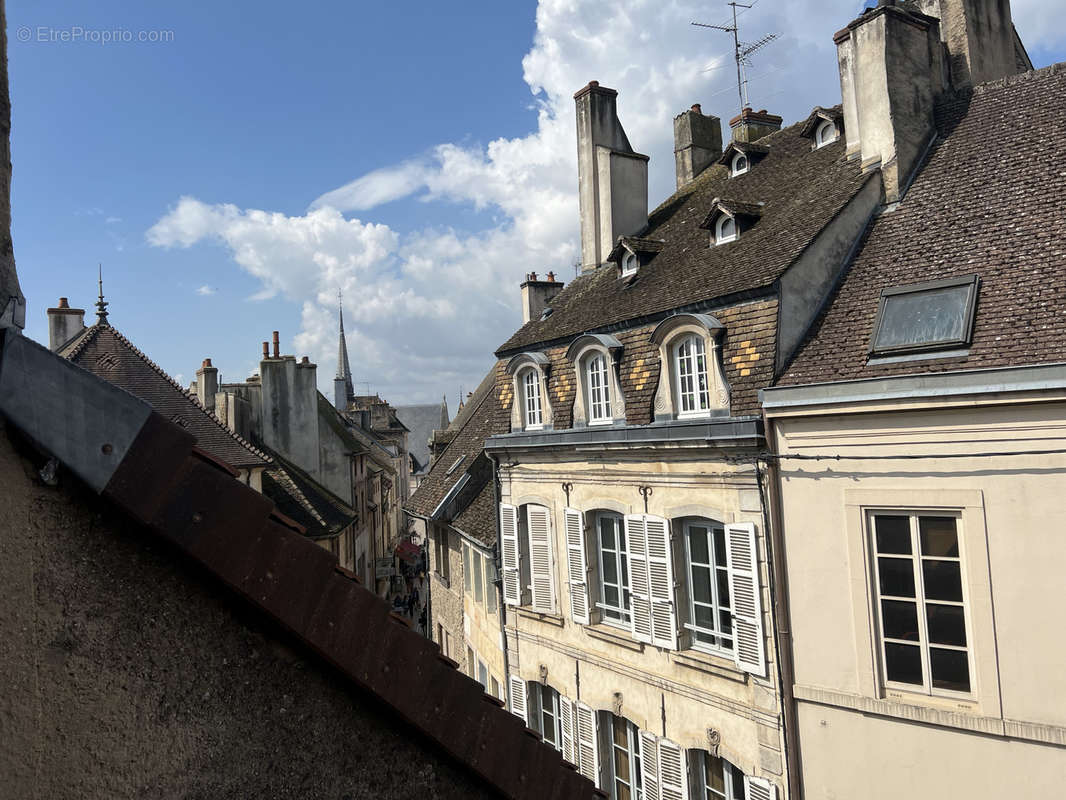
(206, 291)
(425, 311)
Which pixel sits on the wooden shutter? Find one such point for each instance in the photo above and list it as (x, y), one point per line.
(661, 583)
(640, 593)
(588, 760)
(540, 558)
(509, 555)
(649, 765)
(577, 565)
(745, 598)
(673, 774)
(759, 789)
(519, 706)
(566, 717)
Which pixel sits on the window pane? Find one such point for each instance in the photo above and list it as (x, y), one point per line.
(947, 624)
(903, 663)
(899, 619)
(723, 588)
(610, 595)
(725, 625)
(713, 773)
(950, 668)
(701, 584)
(719, 547)
(610, 568)
(897, 576)
(607, 532)
(697, 542)
(705, 617)
(924, 317)
(938, 537)
(893, 534)
(942, 580)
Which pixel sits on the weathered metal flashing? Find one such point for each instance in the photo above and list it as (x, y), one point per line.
(733, 432)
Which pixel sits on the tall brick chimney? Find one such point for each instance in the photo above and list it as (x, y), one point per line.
(748, 125)
(697, 143)
(64, 323)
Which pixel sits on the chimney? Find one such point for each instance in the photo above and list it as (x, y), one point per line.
(612, 179)
(207, 384)
(979, 37)
(536, 295)
(749, 125)
(290, 408)
(697, 143)
(64, 323)
(890, 62)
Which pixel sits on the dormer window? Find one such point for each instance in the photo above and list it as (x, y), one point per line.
(632, 253)
(530, 409)
(531, 402)
(629, 264)
(599, 390)
(725, 229)
(693, 382)
(598, 399)
(826, 133)
(739, 165)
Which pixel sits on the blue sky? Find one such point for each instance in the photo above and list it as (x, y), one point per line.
(418, 155)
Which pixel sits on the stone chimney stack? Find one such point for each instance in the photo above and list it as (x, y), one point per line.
(979, 37)
(612, 179)
(697, 143)
(536, 295)
(290, 408)
(207, 384)
(750, 125)
(64, 323)
(891, 71)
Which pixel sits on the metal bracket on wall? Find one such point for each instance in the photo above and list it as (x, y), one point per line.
(645, 492)
(568, 487)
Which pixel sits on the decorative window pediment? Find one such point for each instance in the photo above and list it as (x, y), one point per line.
(530, 409)
(692, 381)
(824, 126)
(742, 156)
(728, 218)
(599, 400)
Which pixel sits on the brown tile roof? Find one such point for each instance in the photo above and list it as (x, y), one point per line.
(478, 519)
(990, 200)
(302, 499)
(106, 353)
(803, 189)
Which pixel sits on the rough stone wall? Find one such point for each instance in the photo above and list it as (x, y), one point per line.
(446, 597)
(125, 671)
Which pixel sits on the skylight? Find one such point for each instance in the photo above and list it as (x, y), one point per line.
(451, 469)
(937, 315)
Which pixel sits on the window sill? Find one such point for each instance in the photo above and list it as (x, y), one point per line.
(540, 616)
(442, 580)
(713, 665)
(609, 633)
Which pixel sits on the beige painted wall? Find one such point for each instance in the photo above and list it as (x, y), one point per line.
(482, 630)
(856, 737)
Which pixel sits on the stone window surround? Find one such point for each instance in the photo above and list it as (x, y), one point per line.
(665, 336)
(516, 368)
(580, 350)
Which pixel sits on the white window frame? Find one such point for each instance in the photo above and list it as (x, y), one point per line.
(700, 399)
(532, 400)
(598, 381)
(632, 748)
(582, 353)
(543, 693)
(923, 644)
(619, 616)
(825, 133)
(714, 529)
(734, 782)
(720, 237)
(734, 169)
(630, 264)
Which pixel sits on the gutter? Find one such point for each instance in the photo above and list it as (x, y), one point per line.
(501, 606)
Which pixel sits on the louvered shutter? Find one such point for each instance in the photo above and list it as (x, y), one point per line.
(509, 555)
(745, 598)
(518, 698)
(661, 583)
(588, 757)
(673, 774)
(540, 558)
(566, 716)
(649, 765)
(577, 565)
(640, 593)
(759, 789)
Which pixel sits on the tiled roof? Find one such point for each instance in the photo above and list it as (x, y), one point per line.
(302, 499)
(990, 200)
(803, 189)
(108, 354)
(478, 519)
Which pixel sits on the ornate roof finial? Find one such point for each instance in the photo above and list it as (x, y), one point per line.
(101, 304)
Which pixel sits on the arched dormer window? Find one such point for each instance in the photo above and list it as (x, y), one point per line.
(530, 409)
(739, 165)
(692, 382)
(629, 264)
(725, 229)
(599, 396)
(826, 133)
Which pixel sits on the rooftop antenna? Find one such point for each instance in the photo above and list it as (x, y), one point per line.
(742, 51)
(101, 304)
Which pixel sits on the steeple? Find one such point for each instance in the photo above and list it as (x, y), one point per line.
(343, 391)
(101, 305)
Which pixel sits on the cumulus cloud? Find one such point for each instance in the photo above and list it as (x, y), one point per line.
(425, 310)
(205, 291)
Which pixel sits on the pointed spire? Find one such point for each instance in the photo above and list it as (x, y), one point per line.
(344, 369)
(101, 305)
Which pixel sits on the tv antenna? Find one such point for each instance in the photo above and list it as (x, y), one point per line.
(742, 51)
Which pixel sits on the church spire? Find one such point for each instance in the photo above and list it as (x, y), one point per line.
(101, 304)
(344, 369)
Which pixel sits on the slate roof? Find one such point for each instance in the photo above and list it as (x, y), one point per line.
(303, 500)
(421, 421)
(478, 519)
(105, 352)
(990, 200)
(803, 190)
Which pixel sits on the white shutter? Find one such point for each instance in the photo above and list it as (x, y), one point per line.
(649, 765)
(640, 594)
(510, 555)
(540, 558)
(673, 775)
(566, 716)
(518, 698)
(745, 598)
(588, 760)
(661, 583)
(759, 789)
(577, 565)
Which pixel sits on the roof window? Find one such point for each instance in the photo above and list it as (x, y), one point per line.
(825, 134)
(739, 166)
(629, 264)
(451, 469)
(922, 317)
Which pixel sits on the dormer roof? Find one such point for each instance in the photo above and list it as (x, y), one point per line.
(820, 115)
(753, 150)
(731, 208)
(634, 244)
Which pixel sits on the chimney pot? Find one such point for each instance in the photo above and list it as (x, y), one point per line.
(532, 276)
(551, 277)
(207, 363)
(277, 345)
(63, 303)
(305, 360)
(697, 108)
